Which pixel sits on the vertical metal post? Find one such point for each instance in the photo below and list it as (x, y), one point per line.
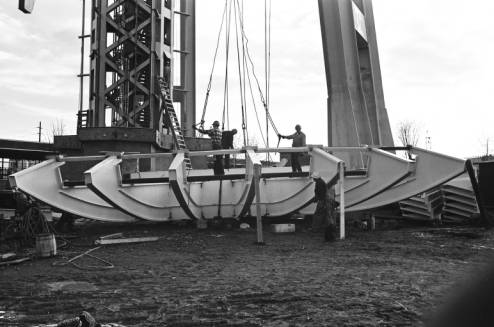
(341, 168)
(39, 133)
(81, 74)
(257, 177)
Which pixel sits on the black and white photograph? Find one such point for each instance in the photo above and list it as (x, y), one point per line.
(268, 163)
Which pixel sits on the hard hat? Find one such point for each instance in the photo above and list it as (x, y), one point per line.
(216, 123)
(315, 175)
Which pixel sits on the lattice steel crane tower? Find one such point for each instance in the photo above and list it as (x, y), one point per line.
(133, 42)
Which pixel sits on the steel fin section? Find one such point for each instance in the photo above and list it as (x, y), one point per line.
(150, 201)
(431, 170)
(384, 170)
(214, 198)
(44, 182)
(282, 196)
(460, 202)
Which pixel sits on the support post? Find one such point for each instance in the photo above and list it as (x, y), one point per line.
(342, 199)
(257, 177)
(39, 132)
(372, 224)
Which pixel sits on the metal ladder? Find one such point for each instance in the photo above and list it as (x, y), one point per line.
(169, 114)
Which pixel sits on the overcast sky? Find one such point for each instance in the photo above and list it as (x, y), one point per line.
(435, 60)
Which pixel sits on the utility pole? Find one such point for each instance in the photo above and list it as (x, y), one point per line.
(39, 132)
(428, 145)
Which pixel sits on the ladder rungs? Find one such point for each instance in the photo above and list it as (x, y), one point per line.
(172, 116)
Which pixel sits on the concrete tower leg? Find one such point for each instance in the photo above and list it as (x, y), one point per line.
(356, 113)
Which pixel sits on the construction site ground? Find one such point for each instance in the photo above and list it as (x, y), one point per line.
(189, 277)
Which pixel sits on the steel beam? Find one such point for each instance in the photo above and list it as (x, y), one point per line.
(184, 93)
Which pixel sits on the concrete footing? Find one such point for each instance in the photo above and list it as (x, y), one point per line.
(201, 224)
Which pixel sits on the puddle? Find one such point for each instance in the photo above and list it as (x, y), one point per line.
(71, 287)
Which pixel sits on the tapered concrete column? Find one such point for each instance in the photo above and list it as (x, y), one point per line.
(356, 113)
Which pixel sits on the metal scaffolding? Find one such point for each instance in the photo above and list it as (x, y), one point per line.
(130, 40)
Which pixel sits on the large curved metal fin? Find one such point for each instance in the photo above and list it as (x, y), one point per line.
(44, 182)
(384, 170)
(431, 170)
(148, 201)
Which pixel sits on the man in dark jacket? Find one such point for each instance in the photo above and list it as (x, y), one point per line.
(324, 216)
(227, 143)
(298, 140)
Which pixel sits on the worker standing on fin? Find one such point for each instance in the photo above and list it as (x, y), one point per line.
(215, 134)
(227, 143)
(298, 140)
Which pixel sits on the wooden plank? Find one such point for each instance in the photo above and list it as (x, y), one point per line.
(126, 240)
(111, 236)
(13, 262)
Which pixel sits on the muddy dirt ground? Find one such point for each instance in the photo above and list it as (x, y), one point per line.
(190, 277)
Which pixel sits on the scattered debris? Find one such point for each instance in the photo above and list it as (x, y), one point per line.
(482, 247)
(7, 256)
(282, 228)
(422, 235)
(71, 286)
(84, 319)
(244, 226)
(472, 233)
(108, 265)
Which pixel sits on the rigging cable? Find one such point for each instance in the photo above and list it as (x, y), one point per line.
(246, 79)
(255, 110)
(257, 81)
(226, 93)
(267, 65)
(214, 63)
(244, 64)
(242, 100)
(267, 60)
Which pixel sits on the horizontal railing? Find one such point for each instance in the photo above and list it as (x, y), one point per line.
(212, 152)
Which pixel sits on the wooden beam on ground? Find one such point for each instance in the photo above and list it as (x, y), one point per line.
(13, 262)
(126, 240)
(111, 236)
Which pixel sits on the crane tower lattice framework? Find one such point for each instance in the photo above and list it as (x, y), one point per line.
(132, 45)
